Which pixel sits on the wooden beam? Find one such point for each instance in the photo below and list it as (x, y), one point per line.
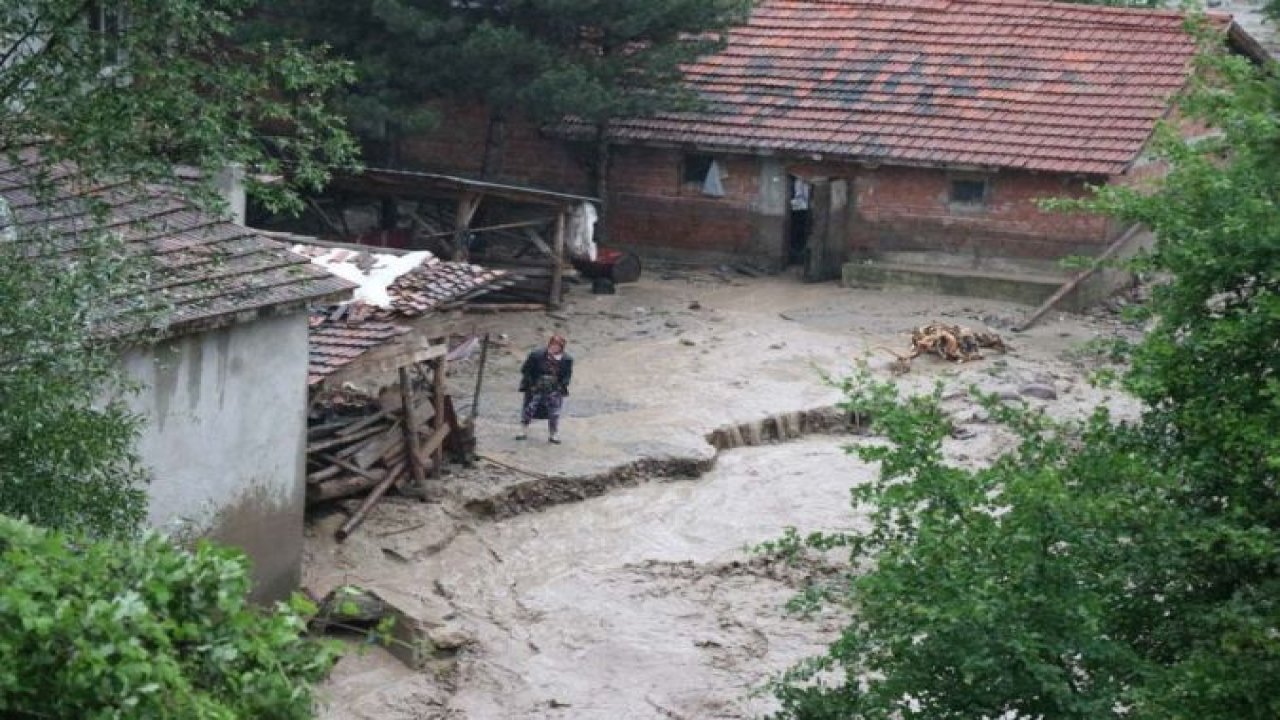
(411, 431)
(468, 203)
(539, 243)
(1080, 277)
(438, 385)
(557, 258)
(385, 359)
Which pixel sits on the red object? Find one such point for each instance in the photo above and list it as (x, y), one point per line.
(616, 265)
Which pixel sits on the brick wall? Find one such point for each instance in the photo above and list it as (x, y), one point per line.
(652, 208)
(907, 209)
(456, 146)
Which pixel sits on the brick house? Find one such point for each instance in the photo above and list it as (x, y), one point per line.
(908, 134)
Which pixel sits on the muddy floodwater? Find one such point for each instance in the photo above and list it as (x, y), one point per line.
(643, 603)
(609, 577)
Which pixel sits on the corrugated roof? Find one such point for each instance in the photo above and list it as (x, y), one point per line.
(204, 272)
(986, 83)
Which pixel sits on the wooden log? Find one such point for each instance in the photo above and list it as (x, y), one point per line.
(341, 441)
(438, 385)
(345, 486)
(1080, 277)
(370, 500)
(502, 307)
(375, 447)
(364, 422)
(411, 430)
(340, 464)
(317, 432)
(434, 443)
(322, 475)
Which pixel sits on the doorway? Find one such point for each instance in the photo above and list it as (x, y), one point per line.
(817, 236)
(799, 219)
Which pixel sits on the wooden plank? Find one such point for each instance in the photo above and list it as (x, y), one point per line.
(411, 430)
(557, 257)
(539, 243)
(372, 499)
(343, 487)
(1080, 277)
(343, 440)
(385, 359)
(434, 443)
(438, 385)
(468, 203)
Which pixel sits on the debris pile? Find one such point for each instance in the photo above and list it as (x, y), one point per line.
(954, 343)
(358, 444)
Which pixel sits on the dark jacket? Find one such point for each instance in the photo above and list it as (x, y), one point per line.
(535, 367)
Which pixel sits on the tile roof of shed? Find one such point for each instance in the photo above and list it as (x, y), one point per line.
(430, 285)
(986, 83)
(333, 346)
(204, 272)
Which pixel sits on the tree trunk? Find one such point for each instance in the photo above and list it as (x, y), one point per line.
(495, 145)
(601, 173)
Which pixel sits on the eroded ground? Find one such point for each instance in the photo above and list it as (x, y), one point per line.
(609, 577)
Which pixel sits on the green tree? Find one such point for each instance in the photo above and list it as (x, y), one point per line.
(126, 90)
(141, 629)
(1100, 569)
(594, 60)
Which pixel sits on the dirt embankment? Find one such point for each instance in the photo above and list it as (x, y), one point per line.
(561, 583)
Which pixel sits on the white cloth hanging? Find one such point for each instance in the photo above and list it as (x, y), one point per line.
(713, 184)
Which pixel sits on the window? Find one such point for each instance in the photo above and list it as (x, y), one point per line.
(969, 191)
(107, 25)
(695, 169)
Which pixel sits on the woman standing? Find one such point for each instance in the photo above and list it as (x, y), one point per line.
(544, 380)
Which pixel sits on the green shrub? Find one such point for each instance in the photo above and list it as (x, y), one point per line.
(141, 629)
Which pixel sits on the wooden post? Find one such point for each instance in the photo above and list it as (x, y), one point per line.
(466, 212)
(557, 262)
(411, 431)
(438, 382)
(475, 399)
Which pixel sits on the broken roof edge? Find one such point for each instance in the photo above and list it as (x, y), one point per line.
(520, 193)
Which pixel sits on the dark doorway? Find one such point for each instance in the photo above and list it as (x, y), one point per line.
(799, 219)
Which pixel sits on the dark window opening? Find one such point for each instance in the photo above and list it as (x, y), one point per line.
(968, 191)
(695, 169)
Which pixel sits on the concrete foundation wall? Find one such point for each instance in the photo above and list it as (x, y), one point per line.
(225, 438)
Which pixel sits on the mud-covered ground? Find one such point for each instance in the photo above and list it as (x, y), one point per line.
(610, 577)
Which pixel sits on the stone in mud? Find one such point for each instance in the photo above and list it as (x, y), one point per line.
(1039, 390)
(449, 638)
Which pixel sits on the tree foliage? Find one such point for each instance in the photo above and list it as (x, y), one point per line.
(140, 629)
(593, 59)
(127, 90)
(1101, 569)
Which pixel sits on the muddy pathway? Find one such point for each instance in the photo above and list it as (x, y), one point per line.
(610, 577)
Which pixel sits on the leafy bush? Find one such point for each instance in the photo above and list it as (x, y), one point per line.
(1100, 569)
(141, 629)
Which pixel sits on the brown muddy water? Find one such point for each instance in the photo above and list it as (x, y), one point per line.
(643, 603)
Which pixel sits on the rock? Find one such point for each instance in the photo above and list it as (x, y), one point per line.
(1039, 390)
(349, 605)
(449, 638)
(687, 341)
(695, 305)
(959, 432)
(558, 316)
(777, 346)
(672, 324)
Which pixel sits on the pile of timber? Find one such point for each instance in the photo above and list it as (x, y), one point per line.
(376, 448)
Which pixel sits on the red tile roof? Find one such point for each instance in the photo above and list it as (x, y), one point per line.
(987, 83)
(433, 284)
(200, 271)
(334, 346)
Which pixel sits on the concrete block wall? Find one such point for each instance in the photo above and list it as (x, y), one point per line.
(225, 439)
